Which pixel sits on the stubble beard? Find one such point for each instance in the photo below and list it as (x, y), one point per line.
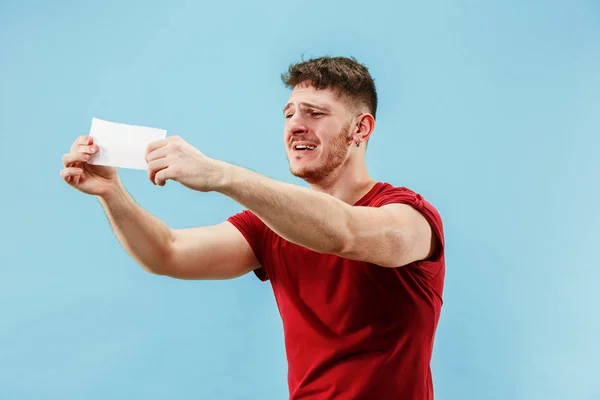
(319, 170)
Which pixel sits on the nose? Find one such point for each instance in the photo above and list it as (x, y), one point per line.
(296, 126)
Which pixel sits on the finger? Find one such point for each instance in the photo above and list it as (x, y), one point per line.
(76, 179)
(157, 153)
(161, 176)
(82, 140)
(67, 174)
(91, 149)
(155, 166)
(157, 144)
(70, 158)
(79, 154)
(161, 143)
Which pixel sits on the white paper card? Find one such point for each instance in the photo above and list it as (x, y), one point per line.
(122, 145)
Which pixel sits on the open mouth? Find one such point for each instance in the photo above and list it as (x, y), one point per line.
(304, 147)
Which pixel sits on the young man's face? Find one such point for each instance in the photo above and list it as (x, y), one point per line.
(317, 132)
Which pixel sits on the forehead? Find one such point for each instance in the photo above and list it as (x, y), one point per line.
(308, 94)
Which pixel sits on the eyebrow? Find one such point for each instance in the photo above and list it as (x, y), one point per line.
(310, 105)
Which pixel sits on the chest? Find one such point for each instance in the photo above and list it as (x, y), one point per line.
(345, 295)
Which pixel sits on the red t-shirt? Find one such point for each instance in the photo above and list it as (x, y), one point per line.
(353, 330)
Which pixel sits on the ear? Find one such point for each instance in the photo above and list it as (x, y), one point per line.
(363, 128)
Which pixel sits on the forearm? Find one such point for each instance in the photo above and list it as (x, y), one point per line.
(145, 237)
(300, 215)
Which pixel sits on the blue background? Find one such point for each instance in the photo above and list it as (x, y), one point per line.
(491, 110)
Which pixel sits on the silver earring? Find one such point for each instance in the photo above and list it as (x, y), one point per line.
(357, 143)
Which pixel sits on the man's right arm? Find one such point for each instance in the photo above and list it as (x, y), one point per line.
(211, 252)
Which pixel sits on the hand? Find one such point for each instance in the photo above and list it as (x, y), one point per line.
(87, 178)
(174, 158)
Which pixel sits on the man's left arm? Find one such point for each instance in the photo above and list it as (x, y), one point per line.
(392, 235)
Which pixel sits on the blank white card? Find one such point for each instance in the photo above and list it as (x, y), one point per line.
(122, 145)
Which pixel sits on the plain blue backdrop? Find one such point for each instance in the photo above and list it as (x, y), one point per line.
(491, 110)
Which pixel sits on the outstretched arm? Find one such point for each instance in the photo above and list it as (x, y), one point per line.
(208, 252)
(390, 236)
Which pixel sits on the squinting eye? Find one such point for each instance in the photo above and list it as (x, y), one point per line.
(316, 114)
(288, 116)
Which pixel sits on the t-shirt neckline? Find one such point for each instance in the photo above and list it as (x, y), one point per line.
(369, 194)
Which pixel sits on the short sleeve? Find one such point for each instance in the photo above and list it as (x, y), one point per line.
(405, 196)
(254, 230)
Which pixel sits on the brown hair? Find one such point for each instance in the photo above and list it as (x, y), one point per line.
(346, 76)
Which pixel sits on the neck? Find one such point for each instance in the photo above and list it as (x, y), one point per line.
(349, 183)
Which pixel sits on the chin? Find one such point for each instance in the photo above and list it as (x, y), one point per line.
(298, 168)
(299, 171)
(311, 175)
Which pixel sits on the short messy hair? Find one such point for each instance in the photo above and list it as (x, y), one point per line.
(345, 76)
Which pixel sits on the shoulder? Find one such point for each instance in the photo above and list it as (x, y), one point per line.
(384, 193)
(388, 195)
(249, 225)
(256, 234)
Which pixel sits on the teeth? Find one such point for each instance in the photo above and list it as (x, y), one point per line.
(304, 147)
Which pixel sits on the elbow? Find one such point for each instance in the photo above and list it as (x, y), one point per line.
(347, 245)
(388, 249)
(166, 264)
(347, 240)
(162, 261)
(156, 270)
(161, 267)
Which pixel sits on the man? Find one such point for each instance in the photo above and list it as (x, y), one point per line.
(357, 266)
